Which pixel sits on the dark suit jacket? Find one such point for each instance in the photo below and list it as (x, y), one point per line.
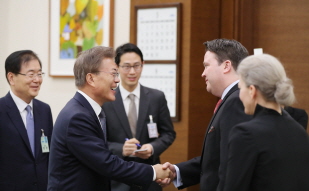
(19, 170)
(268, 153)
(210, 168)
(299, 115)
(152, 102)
(79, 157)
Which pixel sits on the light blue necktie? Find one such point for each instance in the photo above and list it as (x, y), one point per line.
(30, 127)
(103, 123)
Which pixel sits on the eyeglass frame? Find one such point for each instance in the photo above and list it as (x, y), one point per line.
(127, 68)
(114, 74)
(32, 76)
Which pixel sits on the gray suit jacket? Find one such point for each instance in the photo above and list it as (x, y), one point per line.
(152, 102)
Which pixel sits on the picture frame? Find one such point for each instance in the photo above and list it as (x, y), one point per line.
(75, 26)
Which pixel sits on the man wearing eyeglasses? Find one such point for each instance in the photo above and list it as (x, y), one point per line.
(132, 135)
(79, 154)
(25, 126)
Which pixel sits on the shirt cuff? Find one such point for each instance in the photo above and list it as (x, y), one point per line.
(178, 181)
(154, 174)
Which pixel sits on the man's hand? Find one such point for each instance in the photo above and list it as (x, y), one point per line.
(129, 146)
(144, 154)
(161, 173)
(167, 181)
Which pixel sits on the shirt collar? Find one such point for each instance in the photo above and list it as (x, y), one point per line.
(21, 104)
(95, 106)
(228, 89)
(125, 93)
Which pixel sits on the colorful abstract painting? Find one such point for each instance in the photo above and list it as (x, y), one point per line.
(75, 26)
(81, 26)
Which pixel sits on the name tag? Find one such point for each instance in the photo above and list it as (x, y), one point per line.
(44, 143)
(152, 128)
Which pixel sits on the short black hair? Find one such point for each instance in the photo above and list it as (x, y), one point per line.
(227, 49)
(125, 48)
(14, 61)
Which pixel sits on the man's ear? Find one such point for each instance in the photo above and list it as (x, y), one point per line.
(10, 77)
(227, 66)
(90, 79)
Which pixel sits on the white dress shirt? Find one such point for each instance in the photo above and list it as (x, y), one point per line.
(21, 105)
(126, 101)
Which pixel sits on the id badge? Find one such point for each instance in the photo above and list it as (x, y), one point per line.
(44, 143)
(152, 128)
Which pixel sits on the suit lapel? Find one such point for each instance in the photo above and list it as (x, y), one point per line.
(16, 119)
(233, 89)
(121, 113)
(83, 101)
(142, 114)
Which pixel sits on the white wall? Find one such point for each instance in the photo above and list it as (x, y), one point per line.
(25, 25)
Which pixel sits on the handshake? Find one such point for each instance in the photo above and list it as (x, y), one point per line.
(165, 173)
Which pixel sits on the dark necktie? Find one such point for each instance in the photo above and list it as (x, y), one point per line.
(132, 114)
(103, 123)
(30, 127)
(217, 105)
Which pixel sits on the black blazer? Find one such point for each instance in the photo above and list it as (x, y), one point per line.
(268, 153)
(79, 156)
(209, 169)
(152, 102)
(19, 170)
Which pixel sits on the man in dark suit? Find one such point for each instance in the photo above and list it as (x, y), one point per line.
(220, 61)
(23, 162)
(298, 115)
(79, 157)
(152, 102)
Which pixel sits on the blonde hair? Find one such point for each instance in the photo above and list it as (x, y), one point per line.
(267, 74)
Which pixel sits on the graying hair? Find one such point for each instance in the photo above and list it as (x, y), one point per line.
(89, 61)
(267, 74)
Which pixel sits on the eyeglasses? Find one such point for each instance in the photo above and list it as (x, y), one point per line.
(114, 74)
(31, 75)
(127, 68)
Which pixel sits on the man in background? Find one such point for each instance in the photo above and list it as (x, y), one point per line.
(221, 60)
(25, 126)
(80, 158)
(299, 115)
(131, 117)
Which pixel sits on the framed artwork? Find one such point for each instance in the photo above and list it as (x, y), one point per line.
(75, 26)
(158, 36)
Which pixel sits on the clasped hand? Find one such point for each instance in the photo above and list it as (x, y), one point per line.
(163, 182)
(162, 173)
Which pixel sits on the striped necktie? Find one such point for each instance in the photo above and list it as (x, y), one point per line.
(30, 127)
(103, 123)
